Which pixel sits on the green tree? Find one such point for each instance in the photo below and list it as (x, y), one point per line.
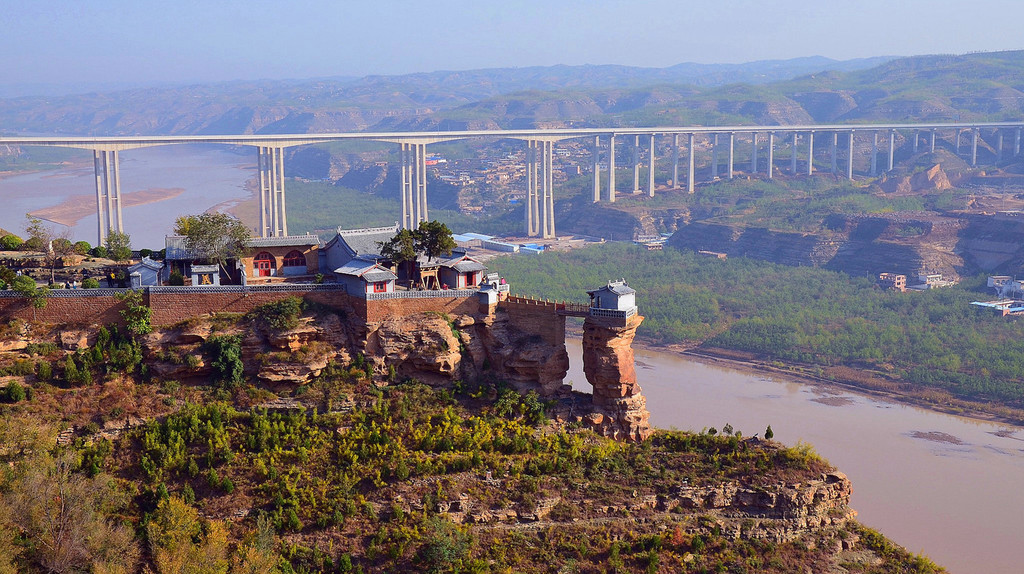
(213, 237)
(136, 314)
(119, 246)
(37, 233)
(10, 242)
(433, 239)
(182, 545)
(82, 247)
(769, 434)
(26, 287)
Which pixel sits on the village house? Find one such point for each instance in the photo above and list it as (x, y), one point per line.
(272, 259)
(364, 275)
(347, 244)
(892, 282)
(268, 259)
(615, 296)
(145, 273)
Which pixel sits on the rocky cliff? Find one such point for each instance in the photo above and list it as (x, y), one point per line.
(620, 410)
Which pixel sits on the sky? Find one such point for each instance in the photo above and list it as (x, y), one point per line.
(139, 42)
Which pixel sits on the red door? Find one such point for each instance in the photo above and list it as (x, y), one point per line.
(263, 263)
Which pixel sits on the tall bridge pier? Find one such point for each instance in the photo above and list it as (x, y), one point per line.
(540, 197)
(273, 215)
(107, 167)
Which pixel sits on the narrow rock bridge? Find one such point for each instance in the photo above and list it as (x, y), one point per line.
(798, 141)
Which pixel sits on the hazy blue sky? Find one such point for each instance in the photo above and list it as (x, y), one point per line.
(106, 41)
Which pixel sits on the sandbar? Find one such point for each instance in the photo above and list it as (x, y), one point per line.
(77, 207)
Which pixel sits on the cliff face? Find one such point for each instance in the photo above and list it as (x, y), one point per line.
(620, 410)
(908, 243)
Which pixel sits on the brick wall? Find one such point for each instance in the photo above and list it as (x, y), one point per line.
(536, 318)
(170, 308)
(380, 310)
(101, 310)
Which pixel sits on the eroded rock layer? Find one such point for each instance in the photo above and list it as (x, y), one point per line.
(620, 410)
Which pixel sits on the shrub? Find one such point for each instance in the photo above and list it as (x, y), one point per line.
(145, 252)
(176, 278)
(10, 242)
(13, 392)
(99, 251)
(280, 315)
(44, 370)
(82, 247)
(226, 358)
(90, 283)
(136, 315)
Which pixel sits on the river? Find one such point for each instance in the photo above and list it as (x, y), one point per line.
(207, 176)
(945, 486)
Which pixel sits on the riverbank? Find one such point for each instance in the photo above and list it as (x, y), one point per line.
(849, 378)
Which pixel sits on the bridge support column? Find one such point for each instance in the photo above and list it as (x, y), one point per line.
(414, 184)
(636, 164)
(917, 135)
(689, 171)
(974, 147)
(958, 142)
(770, 171)
(650, 173)
(675, 161)
(532, 211)
(406, 161)
(810, 153)
(714, 158)
(597, 169)
(892, 148)
(107, 167)
(611, 168)
(874, 154)
(835, 157)
(273, 214)
(849, 158)
(753, 153)
(548, 189)
(999, 145)
(1016, 143)
(792, 167)
(931, 145)
(732, 155)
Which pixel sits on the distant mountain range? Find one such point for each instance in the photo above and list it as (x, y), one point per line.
(815, 89)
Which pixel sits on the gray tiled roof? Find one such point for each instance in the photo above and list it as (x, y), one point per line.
(367, 269)
(616, 288)
(365, 241)
(467, 265)
(284, 241)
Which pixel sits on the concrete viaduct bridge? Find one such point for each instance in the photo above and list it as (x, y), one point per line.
(539, 216)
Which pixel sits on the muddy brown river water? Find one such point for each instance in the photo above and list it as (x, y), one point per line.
(949, 487)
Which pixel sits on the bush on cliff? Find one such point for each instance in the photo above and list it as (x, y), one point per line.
(226, 358)
(280, 315)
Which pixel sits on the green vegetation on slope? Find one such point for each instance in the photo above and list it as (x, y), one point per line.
(807, 315)
(365, 479)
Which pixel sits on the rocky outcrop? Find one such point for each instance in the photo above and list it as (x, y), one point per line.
(777, 514)
(419, 346)
(620, 410)
(931, 179)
